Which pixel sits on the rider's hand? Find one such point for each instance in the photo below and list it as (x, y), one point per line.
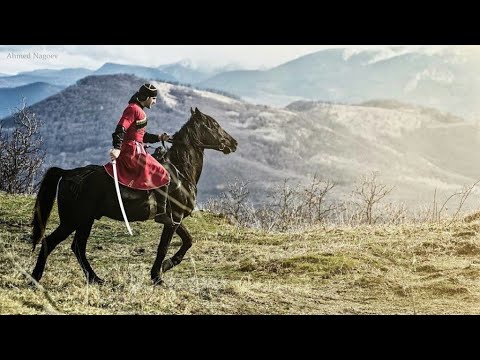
(114, 153)
(163, 137)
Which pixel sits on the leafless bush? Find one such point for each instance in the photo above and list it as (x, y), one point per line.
(233, 203)
(284, 206)
(265, 219)
(21, 153)
(368, 193)
(234, 200)
(347, 213)
(362, 207)
(420, 214)
(315, 208)
(394, 213)
(288, 207)
(294, 207)
(439, 213)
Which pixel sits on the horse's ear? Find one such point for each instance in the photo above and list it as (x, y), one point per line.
(197, 111)
(191, 111)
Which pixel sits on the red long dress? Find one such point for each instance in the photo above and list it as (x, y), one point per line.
(136, 168)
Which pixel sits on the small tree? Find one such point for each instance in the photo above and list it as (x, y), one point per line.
(315, 207)
(21, 153)
(370, 192)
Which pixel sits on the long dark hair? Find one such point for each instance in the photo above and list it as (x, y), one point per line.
(137, 97)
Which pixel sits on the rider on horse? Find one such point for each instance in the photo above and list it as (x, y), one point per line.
(136, 168)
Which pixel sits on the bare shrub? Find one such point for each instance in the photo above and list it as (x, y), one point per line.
(288, 207)
(295, 207)
(233, 203)
(21, 153)
(368, 193)
(284, 206)
(439, 213)
(316, 208)
(394, 213)
(347, 212)
(420, 215)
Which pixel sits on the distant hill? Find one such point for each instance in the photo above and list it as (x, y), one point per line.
(415, 149)
(64, 77)
(38, 84)
(184, 72)
(140, 71)
(67, 77)
(11, 98)
(440, 81)
(397, 105)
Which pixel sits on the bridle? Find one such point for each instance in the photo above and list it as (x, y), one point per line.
(219, 147)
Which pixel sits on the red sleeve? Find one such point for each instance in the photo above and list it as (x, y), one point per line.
(128, 117)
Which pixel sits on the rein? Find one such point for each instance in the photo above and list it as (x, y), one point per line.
(205, 146)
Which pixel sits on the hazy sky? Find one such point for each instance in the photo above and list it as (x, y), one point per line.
(17, 58)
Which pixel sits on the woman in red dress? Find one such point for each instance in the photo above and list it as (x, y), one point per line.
(136, 168)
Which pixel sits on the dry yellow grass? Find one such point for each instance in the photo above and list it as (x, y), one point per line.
(408, 269)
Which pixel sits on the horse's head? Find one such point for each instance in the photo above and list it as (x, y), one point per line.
(209, 134)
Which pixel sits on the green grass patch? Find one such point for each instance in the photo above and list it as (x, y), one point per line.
(322, 265)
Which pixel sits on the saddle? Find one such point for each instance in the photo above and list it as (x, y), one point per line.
(141, 200)
(76, 178)
(145, 200)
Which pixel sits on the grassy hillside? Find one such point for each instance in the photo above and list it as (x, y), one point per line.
(422, 269)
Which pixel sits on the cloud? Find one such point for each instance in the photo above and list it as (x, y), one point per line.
(203, 56)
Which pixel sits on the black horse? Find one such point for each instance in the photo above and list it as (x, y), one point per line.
(88, 193)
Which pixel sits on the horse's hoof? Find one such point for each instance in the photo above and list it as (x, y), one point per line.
(167, 265)
(32, 284)
(96, 280)
(157, 282)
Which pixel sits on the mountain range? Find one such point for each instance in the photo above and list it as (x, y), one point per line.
(443, 80)
(183, 72)
(416, 149)
(39, 84)
(63, 77)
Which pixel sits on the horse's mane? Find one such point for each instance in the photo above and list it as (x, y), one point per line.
(190, 131)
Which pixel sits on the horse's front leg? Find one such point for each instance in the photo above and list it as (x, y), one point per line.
(178, 257)
(167, 234)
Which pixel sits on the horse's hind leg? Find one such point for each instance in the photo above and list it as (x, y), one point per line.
(79, 247)
(178, 257)
(48, 244)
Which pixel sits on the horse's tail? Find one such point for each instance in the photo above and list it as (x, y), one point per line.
(44, 203)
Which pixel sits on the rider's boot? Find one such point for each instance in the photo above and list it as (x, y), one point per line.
(161, 196)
